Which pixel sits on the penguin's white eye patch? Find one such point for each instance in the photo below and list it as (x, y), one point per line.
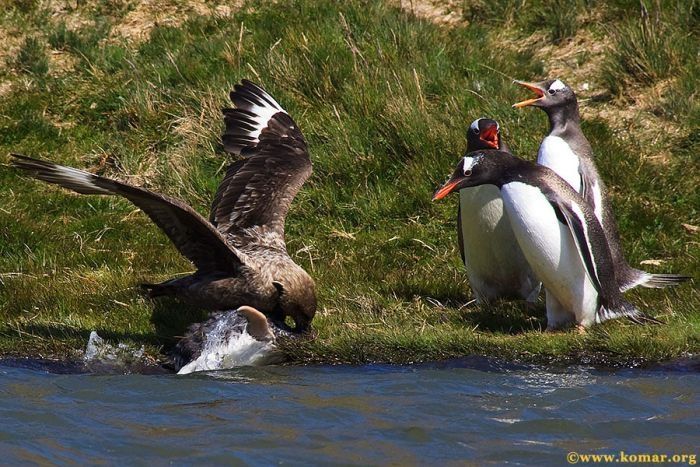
(556, 86)
(475, 126)
(469, 163)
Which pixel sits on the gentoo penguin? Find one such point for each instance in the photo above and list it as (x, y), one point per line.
(558, 233)
(240, 253)
(495, 265)
(566, 151)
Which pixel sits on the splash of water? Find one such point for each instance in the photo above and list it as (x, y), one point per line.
(101, 356)
(228, 345)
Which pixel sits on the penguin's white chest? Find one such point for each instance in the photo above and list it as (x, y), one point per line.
(556, 154)
(481, 206)
(550, 249)
(495, 265)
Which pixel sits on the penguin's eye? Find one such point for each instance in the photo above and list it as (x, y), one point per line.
(467, 172)
(552, 91)
(475, 131)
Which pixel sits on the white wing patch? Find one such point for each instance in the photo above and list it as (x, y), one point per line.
(263, 115)
(557, 85)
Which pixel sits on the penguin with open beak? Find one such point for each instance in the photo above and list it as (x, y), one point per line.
(495, 265)
(567, 152)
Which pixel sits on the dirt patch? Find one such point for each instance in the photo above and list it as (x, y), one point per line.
(11, 40)
(447, 12)
(71, 12)
(61, 63)
(137, 25)
(5, 88)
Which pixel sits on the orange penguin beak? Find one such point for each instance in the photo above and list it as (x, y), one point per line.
(446, 189)
(532, 87)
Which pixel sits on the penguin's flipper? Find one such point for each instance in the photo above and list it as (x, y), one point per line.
(594, 251)
(574, 216)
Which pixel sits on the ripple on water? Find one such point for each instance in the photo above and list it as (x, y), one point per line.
(451, 412)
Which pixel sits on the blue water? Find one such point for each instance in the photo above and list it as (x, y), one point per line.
(471, 410)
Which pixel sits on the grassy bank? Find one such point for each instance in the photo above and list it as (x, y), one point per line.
(383, 96)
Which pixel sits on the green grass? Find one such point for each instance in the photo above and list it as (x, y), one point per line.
(32, 58)
(651, 46)
(383, 99)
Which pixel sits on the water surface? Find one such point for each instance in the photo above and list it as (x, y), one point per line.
(471, 410)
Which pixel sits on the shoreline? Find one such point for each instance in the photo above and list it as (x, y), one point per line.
(684, 363)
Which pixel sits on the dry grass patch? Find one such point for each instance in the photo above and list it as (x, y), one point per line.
(137, 25)
(11, 39)
(447, 12)
(5, 88)
(74, 13)
(631, 116)
(61, 63)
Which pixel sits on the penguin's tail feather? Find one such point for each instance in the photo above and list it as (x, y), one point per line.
(636, 277)
(658, 281)
(626, 310)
